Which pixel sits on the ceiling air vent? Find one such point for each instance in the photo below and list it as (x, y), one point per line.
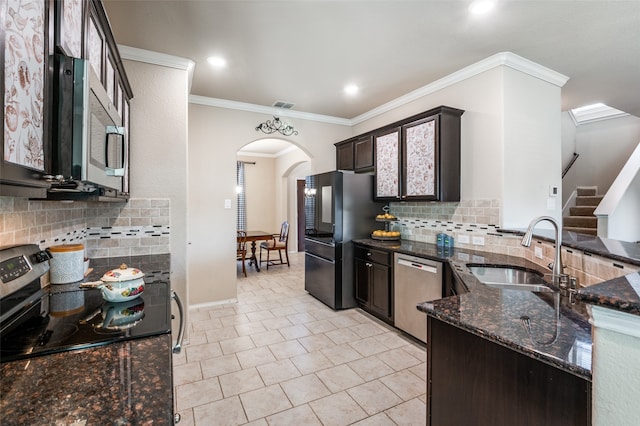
(283, 105)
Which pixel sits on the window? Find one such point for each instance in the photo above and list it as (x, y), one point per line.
(240, 189)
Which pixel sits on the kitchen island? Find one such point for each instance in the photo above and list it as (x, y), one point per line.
(499, 356)
(516, 332)
(124, 381)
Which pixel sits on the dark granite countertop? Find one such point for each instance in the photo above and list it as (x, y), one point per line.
(122, 383)
(623, 293)
(559, 332)
(126, 382)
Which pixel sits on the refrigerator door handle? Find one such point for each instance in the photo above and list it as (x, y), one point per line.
(322, 243)
(318, 257)
(178, 347)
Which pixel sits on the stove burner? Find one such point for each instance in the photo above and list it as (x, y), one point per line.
(96, 322)
(37, 321)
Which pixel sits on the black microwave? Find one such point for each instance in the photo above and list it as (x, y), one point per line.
(90, 153)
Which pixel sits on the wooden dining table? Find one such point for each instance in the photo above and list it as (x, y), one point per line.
(254, 236)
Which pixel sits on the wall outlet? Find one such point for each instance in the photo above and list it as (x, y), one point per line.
(478, 241)
(537, 251)
(463, 239)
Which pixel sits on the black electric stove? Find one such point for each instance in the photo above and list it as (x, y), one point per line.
(38, 321)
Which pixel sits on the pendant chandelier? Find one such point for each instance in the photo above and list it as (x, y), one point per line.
(276, 125)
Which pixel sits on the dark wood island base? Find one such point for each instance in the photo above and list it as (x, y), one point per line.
(472, 380)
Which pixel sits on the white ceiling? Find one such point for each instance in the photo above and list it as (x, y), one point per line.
(305, 51)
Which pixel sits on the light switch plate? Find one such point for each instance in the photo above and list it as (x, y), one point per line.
(227, 204)
(538, 252)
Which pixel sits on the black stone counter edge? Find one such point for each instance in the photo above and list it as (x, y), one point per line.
(430, 251)
(547, 359)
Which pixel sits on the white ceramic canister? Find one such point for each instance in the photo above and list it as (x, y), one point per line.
(66, 263)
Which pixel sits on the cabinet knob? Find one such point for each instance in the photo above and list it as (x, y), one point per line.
(369, 265)
(368, 253)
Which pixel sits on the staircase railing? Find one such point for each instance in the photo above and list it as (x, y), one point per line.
(573, 160)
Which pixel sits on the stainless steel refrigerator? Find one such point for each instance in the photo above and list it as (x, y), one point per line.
(339, 208)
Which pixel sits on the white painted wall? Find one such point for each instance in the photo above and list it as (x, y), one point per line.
(299, 172)
(532, 149)
(215, 136)
(510, 119)
(604, 147)
(290, 167)
(159, 151)
(615, 370)
(481, 96)
(260, 195)
(618, 212)
(624, 223)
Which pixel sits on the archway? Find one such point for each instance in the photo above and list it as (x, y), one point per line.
(272, 169)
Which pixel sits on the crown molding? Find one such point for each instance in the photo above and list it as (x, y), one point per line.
(156, 58)
(508, 59)
(593, 113)
(533, 69)
(243, 106)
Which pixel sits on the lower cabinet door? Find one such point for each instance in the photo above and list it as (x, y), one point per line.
(381, 290)
(362, 272)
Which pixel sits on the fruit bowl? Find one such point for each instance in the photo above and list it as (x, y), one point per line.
(386, 235)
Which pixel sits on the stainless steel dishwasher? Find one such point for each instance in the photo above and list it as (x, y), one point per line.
(416, 280)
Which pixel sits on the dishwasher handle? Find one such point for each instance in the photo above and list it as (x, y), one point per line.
(417, 265)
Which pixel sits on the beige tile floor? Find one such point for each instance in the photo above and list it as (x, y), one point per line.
(280, 357)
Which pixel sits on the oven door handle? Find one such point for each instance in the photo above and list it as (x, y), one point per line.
(178, 347)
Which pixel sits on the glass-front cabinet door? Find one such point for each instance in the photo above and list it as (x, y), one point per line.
(387, 165)
(24, 84)
(419, 159)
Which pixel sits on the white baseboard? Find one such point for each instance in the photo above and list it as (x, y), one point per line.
(211, 304)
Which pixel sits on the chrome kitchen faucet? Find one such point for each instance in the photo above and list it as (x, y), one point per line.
(559, 277)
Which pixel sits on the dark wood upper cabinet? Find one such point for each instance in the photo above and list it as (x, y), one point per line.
(414, 159)
(344, 155)
(25, 84)
(420, 159)
(363, 153)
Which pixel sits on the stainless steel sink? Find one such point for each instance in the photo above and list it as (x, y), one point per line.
(509, 277)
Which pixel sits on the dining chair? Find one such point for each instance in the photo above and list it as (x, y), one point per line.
(280, 243)
(242, 250)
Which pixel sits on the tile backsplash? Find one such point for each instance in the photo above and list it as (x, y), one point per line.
(476, 222)
(140, 226)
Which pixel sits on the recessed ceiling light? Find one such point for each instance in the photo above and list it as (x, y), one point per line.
(480, 7)
(351, 89)
(217, 61)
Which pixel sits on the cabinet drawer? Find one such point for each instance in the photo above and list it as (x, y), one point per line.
(373, 255)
